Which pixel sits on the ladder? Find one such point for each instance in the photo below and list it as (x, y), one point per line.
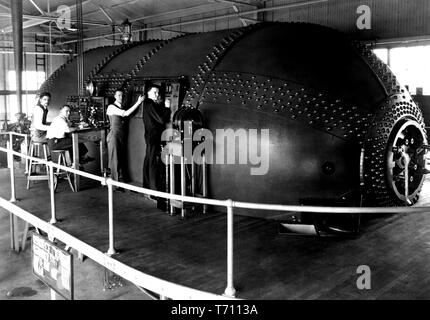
(40, 59)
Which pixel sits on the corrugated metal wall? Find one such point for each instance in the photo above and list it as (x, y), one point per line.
(390, 18)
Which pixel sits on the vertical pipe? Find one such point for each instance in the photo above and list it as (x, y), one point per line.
(12, 231)
(230, 291)
(102, 149)
(14, 239)
(26, 153)
(193, 173)
(80, 46)
(183, 185)
(111, 249)
(4, 84)
(16, 7)
(407, 160)
(204, 182)
(52, 192)
(12, 170)
(48, 9)
(167, 181)
(172, 181)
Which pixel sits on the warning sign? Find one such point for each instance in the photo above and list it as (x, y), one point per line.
(52, 265)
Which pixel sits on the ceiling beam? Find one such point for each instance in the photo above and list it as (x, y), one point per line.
(48, 17)
(235, 2)
(37, 7)
(225, 16)
(38, 20)
(108, 16)
(178, 11)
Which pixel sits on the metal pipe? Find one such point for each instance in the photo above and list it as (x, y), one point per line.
(27, 144)
(12, 170)
(407, 159)
(233, 2)
(111, 250)
(16, 7)
(37, 7)
(226, 16)
(11, 230)
(204, 182)
(172, 181)
(52, 193)
(167, 181)
(183, 184)
(4, 96)
(230, 291)
(38, 53)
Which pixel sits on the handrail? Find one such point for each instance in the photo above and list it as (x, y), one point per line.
(15, 134)
(102, 180)
(235, 204)
(137, 277)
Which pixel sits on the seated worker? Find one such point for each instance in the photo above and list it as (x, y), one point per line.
(39, 125)
(59, 138)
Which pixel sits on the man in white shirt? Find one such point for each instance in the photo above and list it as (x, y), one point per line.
(59, 138)
(116, 139)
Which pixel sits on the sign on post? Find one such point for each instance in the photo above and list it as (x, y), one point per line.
(52, 265)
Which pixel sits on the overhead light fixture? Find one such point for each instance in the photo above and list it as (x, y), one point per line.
(126, 32)
(91, 88)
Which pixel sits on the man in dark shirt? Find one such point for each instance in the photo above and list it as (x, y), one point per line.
(155, 117)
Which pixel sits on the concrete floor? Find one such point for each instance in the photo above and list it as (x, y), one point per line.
(91, 281)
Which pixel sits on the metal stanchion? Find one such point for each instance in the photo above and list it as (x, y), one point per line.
(183, 185)
(204, 182)
(172, 181)
(14, 234)
(52, 192)
(111, 250)
(167, 201)
(407, 159)
(230, 291)
(12, 170)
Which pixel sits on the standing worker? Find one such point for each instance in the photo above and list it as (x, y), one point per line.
(116, 139)
(155, 118)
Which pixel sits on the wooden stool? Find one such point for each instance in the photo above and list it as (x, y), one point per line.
(36, 148)
(59, 173)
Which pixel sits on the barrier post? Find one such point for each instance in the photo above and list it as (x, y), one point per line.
(12, 169)
(52, 192)
(230, 291)
(27, 144)
(407, 159)
(111, 250)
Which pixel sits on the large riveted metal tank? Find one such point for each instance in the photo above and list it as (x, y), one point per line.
(339, 123)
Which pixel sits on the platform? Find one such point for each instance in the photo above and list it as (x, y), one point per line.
(267, 265)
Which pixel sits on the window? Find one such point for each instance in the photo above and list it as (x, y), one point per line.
(28, 102)
(382, 54)
(411, 65)
(31, 80)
